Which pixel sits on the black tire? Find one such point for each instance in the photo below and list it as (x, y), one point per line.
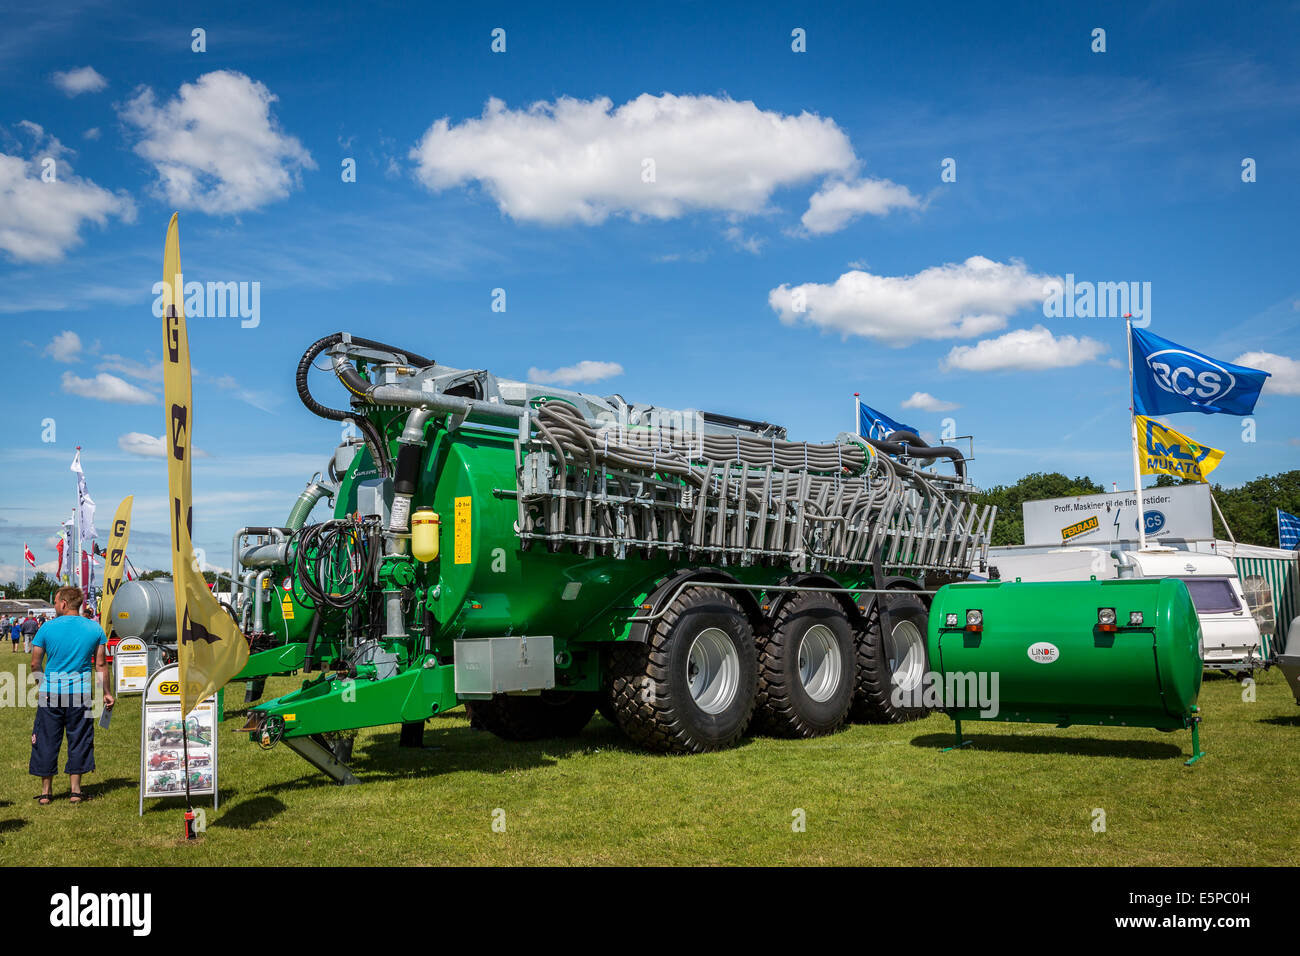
(874, 700)
(605, 705)
(548, 714)
(652, 682)
(785, 707)
(254, 688)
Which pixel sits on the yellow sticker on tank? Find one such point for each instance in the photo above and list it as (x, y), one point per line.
(462, 530)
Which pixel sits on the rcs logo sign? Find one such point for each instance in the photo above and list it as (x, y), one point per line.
(1190, 376)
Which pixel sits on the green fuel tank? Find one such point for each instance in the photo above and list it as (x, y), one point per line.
(1119, 652)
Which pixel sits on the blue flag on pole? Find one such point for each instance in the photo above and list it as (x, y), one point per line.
(876, 425)
(1170, 378)
(1288, 531)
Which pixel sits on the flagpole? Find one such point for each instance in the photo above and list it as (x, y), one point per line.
(1133, 435)
(79, 575)
(857, 415)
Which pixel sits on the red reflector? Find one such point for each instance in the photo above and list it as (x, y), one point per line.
(974, 627)
(1108, 628)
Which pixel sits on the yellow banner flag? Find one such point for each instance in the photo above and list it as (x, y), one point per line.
(210, 648)
(1167, 452)
(115, 561)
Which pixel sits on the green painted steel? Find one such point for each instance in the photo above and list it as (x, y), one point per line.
(277, 660)
(414, 694)
(484, 583)
(1055, 664)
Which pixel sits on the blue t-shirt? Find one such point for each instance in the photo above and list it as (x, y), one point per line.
(69, 642)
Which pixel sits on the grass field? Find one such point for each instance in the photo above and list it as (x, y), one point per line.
(871, 795)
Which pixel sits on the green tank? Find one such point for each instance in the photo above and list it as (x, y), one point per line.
(1117, 653)
(535, 554)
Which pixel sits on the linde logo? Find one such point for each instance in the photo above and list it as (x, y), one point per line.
(1043, 652)
(1190, 376)
(77, 909)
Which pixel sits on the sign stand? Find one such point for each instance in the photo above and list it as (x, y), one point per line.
(167, 762)
(130, 667)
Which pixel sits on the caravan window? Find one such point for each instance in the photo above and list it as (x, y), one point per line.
(1212, 595)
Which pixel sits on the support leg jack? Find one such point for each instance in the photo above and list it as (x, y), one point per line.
(960, 743)
(1197, 752)
(313, 749)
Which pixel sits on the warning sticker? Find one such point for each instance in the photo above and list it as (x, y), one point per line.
(462, 533)
(286, 608)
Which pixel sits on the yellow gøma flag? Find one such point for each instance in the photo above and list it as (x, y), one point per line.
(209, 646)
(115, 561)
(1167, 452)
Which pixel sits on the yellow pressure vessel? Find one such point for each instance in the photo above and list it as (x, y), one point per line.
(425, 526)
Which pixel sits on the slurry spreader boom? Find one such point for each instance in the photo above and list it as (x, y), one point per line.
(538, 553)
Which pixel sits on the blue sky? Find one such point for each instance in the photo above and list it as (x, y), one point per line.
(774, 171)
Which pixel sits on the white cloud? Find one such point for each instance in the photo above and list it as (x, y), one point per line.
(106, 388)
(39, 220)
(216, 146)
(84, 79)
(1027, 350)
(955, 300)
(1285, 371)
(64, 347)
(736, 236)
(583, 160)
(928, 403)
(585, 371)
(263, 401)
(838, 203)
(147, 446)
(92, 133)
(144, 371)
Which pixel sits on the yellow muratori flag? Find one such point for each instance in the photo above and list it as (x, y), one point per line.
(115, 561)
(1164, 451)
(209, 645)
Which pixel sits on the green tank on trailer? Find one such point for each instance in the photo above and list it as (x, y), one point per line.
(538, 553)
(1112, 653)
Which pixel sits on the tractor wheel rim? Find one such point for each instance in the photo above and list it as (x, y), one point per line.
(906, 654)
(713, 670)
(819, 661)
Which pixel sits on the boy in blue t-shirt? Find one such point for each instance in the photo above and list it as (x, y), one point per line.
(68, 650)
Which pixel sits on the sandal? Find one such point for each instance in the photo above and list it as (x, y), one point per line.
(75, 797)
(44, 799)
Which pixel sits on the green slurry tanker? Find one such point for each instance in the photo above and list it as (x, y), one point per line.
(538, 554)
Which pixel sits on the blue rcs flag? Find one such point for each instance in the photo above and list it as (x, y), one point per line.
(1170, 378)
(875, 425)
(1288, 531)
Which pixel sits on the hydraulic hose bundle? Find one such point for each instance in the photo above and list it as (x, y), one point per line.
(334, 561)
(734, 497)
